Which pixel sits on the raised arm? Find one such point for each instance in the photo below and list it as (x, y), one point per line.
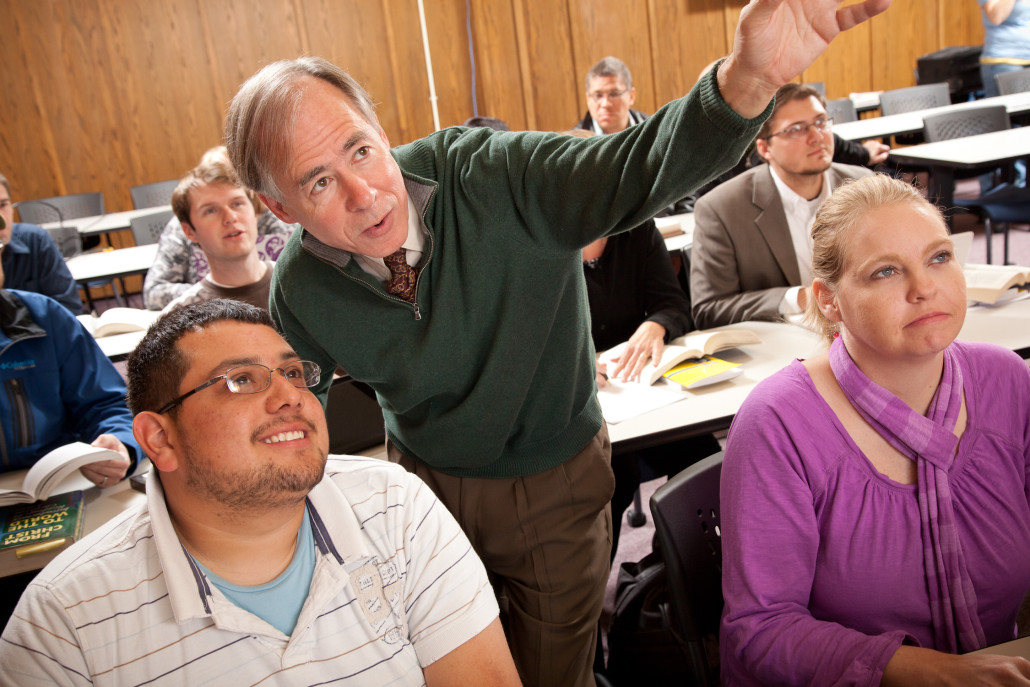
(778, 39)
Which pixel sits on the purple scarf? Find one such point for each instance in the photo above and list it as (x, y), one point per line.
(929, 441)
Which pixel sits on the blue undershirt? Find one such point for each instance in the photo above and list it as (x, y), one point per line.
(277, 602)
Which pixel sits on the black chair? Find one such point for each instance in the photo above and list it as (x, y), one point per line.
(914, 98)
(153, 195)
(842, 110)
(1004, 203)
(148, 228)
(686, 518)
(1013, 82)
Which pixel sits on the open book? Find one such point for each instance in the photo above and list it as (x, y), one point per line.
(51, 469)
(119, 321)
(693, 345)
(988, 283)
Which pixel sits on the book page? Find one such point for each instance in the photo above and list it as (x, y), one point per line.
(122, 320)
(51, 469)
(623, 400)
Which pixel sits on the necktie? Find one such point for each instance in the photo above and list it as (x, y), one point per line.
(403, 281)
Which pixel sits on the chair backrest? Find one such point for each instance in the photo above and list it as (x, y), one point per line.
(67, 239)
(915, 98)
(969, 122)
(1013, 82)
(153, 195)
(148, 228)
(686, 519)
(684, 279)
(842, 110)
(64, 208)
(819, 86)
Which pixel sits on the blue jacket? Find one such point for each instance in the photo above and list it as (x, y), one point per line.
(32, 262)
(58, 386)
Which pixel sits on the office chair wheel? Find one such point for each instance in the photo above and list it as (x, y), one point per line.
(635, 518)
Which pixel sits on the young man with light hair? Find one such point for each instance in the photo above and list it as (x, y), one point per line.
(217, 214)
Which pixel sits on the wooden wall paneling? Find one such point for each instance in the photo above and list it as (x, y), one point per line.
(900, 36)
(498, 52)
(28, 150)
(551, 85)
(230, 62)
(686, 36)
(169, 108)
(614, 27)
(357, 37)
(960, 23)
(492, 43)
(404, 52)
(846, 66)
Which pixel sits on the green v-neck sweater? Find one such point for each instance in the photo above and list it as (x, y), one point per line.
(491, 372)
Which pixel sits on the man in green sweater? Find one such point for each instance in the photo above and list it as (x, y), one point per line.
(446, 274)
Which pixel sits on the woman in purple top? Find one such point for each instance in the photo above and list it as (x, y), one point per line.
(876, 499)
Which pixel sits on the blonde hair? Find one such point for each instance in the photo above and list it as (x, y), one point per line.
(834, 225)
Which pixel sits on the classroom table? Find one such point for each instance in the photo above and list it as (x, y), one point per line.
(112, 263)
(712, 408)
(912, 122)
(102, 224)
(1017, 647)
(100, 504)
(982, 151)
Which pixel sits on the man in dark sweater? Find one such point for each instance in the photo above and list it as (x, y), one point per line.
(447, 275)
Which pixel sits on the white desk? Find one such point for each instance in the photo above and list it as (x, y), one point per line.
(679, 241)
(1006, 325)
(108, 264)
(100, 504)
(102, 224)
(968, 152)
(1017, 647)
(911, 122)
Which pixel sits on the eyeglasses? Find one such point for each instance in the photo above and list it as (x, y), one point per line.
(255, 378)
(598, 96)
(797, 131)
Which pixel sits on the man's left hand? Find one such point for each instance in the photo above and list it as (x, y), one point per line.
(107, 472)
(645, 344)
(776, 40)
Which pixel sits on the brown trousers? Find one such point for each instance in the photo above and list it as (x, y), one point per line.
(546, 541)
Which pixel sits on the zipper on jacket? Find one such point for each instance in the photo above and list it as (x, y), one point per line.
(21, 412)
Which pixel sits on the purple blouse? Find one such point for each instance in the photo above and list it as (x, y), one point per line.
(823, 571)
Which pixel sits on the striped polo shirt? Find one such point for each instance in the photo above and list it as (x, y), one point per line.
(396, 586)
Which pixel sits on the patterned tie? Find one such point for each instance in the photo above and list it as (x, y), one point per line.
(403, 282)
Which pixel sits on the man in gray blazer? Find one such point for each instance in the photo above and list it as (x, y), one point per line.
(752, 251)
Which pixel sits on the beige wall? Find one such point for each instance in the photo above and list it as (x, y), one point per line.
(101, 95)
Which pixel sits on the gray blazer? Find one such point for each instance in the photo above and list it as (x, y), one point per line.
(742, 260)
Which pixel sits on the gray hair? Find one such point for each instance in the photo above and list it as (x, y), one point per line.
(834, 228)
(263, 112)
(610, 66)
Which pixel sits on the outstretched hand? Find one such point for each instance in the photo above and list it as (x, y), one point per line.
(776, 40)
